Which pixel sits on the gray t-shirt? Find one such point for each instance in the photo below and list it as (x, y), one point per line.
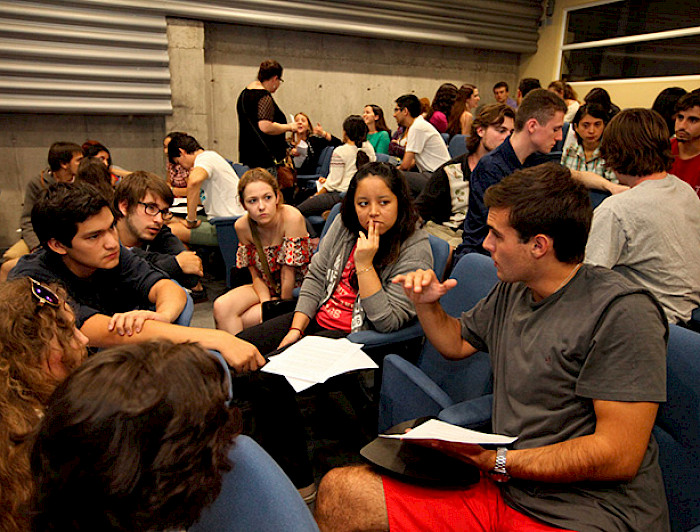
(599, 337)
(651, 235)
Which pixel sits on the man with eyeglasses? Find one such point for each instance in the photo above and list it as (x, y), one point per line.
(142, 204)
(111, 289)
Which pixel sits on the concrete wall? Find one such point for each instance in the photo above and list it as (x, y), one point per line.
(135, 143)
(330, 77)
(626, 93)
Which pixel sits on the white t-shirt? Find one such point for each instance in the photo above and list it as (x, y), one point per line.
(343, 166)
(427, 145)
(219, 192)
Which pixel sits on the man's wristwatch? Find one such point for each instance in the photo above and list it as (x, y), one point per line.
(190, 222)
(499, 473)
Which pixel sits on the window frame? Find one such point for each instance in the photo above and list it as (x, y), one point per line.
(614, 41)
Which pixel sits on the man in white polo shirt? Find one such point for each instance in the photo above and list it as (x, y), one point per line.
(425, 147)
(213, 181)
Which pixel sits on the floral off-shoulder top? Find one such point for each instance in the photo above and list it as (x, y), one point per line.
(295, 252)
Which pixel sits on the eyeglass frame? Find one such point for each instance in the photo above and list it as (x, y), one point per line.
(166, 213)
(37, 288)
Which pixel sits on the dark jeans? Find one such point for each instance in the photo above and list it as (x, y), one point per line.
(317, 205)
(416, 182)
(278, 423)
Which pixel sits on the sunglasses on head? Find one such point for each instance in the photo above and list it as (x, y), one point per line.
(44, 294)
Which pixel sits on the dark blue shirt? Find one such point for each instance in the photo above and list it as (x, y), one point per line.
(491, 169)
(120, 289)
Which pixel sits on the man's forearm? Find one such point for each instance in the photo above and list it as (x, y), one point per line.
(443, 331)
(239, 354)
(192, 200)
(169, 298)
(408, 161)
(613, 452)
(592, 180)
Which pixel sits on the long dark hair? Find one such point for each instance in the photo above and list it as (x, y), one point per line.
(443, 100)
(406, 219)
(356, 130)
(380, 122)
(454, 124)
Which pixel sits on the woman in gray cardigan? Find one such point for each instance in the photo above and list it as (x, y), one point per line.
(348, 288)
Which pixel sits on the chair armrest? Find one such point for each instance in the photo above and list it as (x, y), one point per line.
(185, 317)
(222, 220)
(376, 339)
(469, 414)
(407, 393)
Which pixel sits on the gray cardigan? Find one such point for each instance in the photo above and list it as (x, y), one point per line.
(385, 311)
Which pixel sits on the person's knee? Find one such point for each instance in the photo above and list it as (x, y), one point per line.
(351, 498)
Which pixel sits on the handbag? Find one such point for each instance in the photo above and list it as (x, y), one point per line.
(286, 173)
(274, 307)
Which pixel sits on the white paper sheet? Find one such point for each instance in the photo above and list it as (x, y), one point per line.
(434, 429)
(316, 359)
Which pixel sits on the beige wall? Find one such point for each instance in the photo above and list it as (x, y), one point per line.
(625, 93)
(330, 77)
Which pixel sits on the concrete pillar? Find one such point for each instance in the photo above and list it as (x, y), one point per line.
(188, 79)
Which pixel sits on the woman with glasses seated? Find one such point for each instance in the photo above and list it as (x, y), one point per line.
(39, 347)
(348, 288)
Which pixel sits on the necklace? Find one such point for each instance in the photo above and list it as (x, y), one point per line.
(568, 278)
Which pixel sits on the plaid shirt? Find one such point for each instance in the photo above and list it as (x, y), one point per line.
(178, 175)
(574, 158)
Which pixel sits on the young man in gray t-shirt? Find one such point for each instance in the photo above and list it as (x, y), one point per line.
(578, 356)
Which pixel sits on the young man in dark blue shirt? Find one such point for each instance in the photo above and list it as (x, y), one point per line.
(110, 287)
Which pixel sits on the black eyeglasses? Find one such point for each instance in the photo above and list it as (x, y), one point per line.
(44, 294)
(152, 210)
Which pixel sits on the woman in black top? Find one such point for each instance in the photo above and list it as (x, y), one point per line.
(262, 124)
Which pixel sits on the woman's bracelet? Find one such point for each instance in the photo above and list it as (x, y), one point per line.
(365, 270)
(301, 333)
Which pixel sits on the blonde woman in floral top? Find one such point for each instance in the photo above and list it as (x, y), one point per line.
(285, 244)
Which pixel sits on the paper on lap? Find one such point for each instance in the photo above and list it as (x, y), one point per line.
(435, 429)
(315, 359)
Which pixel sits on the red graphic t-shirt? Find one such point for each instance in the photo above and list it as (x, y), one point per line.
(336, 313)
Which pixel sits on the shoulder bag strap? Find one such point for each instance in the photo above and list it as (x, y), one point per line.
(261, 254)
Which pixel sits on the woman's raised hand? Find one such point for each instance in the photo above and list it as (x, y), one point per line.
(367, 247)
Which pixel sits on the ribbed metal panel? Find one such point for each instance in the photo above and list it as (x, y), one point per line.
(508, 25)
(81, 57)
(110, 56)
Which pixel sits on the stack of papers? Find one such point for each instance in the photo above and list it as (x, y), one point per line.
(315, 359)
(435, 429)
